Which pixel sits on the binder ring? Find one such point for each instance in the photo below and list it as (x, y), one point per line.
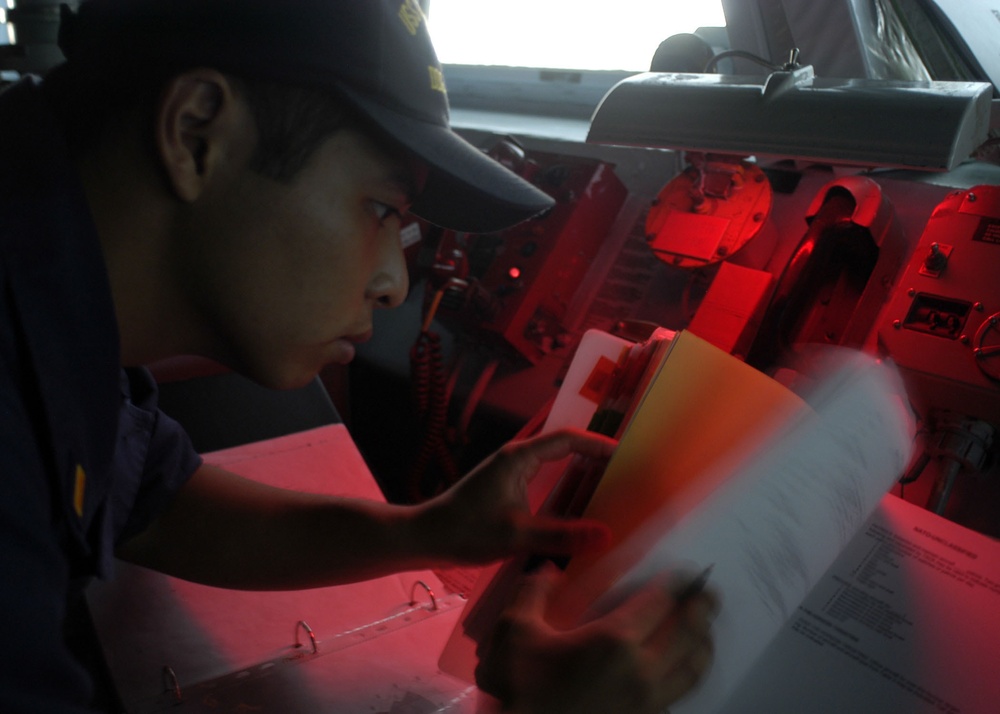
(170, 683)
(425, 586)
(301, 625)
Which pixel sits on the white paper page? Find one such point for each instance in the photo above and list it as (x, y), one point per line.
(772, 530)
(906, 620)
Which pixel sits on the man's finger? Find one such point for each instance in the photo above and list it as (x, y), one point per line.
(538, 535)
(560, 444)
(646, 612)
(693, 620)
(686, 672)
(684, 640)
(533, 593)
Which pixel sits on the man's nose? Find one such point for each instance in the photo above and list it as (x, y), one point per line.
(392, 281)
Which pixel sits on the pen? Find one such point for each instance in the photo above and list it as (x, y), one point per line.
(695, 586)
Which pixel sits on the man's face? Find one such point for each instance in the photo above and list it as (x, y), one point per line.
(285, 277)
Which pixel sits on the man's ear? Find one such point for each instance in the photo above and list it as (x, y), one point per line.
(196, 123)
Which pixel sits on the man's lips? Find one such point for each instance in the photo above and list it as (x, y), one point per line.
(344, 347)
(358, 338)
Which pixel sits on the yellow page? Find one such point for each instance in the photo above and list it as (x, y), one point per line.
(703, 408)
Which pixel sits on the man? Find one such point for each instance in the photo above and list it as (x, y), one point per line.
(226, 178)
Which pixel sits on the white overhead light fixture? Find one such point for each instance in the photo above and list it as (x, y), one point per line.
(793, 114)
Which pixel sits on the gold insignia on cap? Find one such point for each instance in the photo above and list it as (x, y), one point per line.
(437, 78)
(78, 489)
(411, 15)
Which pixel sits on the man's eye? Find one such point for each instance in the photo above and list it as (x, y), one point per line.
(384, 210)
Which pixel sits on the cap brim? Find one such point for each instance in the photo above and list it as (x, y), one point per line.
(465, 190)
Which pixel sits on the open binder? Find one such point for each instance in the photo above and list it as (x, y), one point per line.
(174, 646)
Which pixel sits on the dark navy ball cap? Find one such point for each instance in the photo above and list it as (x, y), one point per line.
(377, 54)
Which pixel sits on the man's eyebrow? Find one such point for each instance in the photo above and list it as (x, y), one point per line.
(406, 181)
(401, 170)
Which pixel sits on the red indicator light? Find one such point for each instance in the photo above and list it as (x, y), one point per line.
(514, 273)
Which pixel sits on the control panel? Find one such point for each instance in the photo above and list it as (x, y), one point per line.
(513, 289)
(941, 325)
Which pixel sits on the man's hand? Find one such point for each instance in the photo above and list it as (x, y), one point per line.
(485, 516)
(640, 657)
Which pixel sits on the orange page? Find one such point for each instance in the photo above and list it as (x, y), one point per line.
(704, 408)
